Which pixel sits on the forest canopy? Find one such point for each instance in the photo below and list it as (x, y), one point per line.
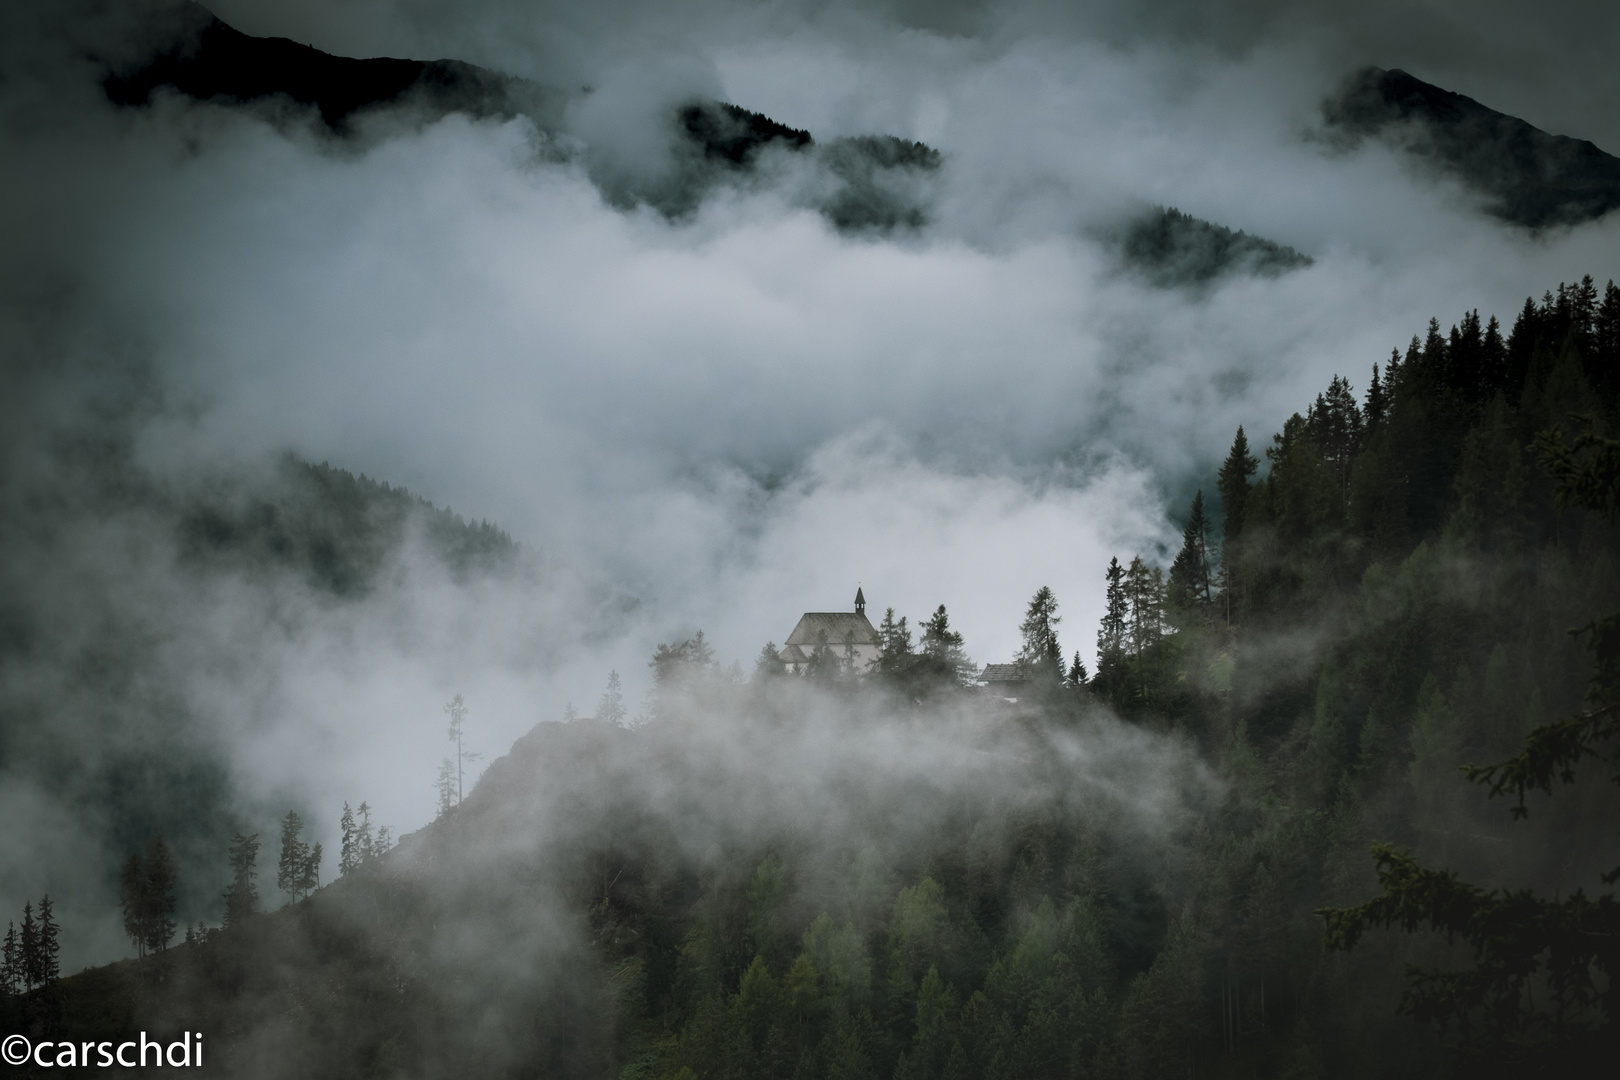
(898, 872)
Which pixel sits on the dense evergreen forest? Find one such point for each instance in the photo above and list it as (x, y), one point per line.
(1153, 870)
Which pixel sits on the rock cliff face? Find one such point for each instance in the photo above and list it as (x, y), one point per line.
(1530, 178)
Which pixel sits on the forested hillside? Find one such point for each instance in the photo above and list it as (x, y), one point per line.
(899, 874)
(121, 588)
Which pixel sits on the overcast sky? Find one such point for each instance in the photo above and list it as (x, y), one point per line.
(738, 417)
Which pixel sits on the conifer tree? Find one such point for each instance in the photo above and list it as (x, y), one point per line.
(611, 710)
(1077, 676)
(944, 645)
(28, 948)
(446, 786)
(691, 660)
(769, 664)
(701, 652)
(309, 875)
(1111, 632)
(133, 902)
(456, 709)
(824, 665)
(1521, 345)
(1189, 574)
(1493, 361)
(363, 840)
(894, 638)
(1433, 360)
(1335, 425)
(50, 950)
(292, 867)
(1041, 657)
(11, 976)
(1608, 325)
(1377, 405)
(349, 855)
(159, 895)
(1583, 311)
(242, 897)
(1233, 483)
(1144, 591)
(850, 654)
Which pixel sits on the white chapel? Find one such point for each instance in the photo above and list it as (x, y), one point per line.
(849, 634)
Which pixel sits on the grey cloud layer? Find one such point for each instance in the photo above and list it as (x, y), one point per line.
(732, 419)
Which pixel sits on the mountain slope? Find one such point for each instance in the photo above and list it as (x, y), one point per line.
(210, 60)
(862, 185)
(1530, 177)
(123, 593)
(1171, 248)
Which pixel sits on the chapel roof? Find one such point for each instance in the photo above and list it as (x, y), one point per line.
(837, 624)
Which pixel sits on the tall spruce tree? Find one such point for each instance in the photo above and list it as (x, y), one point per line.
(1189, 574)
(944, 646)
(1334, 423)
(457, 710)
(349, 854)
(1041, 657)
(1233, 484)
(769, 664)
(361, 842)
(11, 972)
(291, 867)
(611, 710)
(309, 875)
(28, 948)
(1608, 323)
(1077, 676)
(894, 638)
(1144, 592)
(1377, 403)
(242, 896)
(159, 897)
(49, 948)
(445, 785)
(133, 902)
(1111, 632)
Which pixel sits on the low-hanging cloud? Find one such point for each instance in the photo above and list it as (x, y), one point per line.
(719, 421)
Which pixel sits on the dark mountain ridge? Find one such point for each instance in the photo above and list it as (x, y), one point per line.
(210, 60)
(1532, 178)
(879, 183)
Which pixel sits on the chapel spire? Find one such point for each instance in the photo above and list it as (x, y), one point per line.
(860, 601)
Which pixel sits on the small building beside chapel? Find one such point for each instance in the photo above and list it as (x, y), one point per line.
(850, 635)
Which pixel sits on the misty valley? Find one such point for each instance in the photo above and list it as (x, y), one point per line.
(825, 540)
(872, 858)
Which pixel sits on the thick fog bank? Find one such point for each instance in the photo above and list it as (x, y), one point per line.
(716, 422)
